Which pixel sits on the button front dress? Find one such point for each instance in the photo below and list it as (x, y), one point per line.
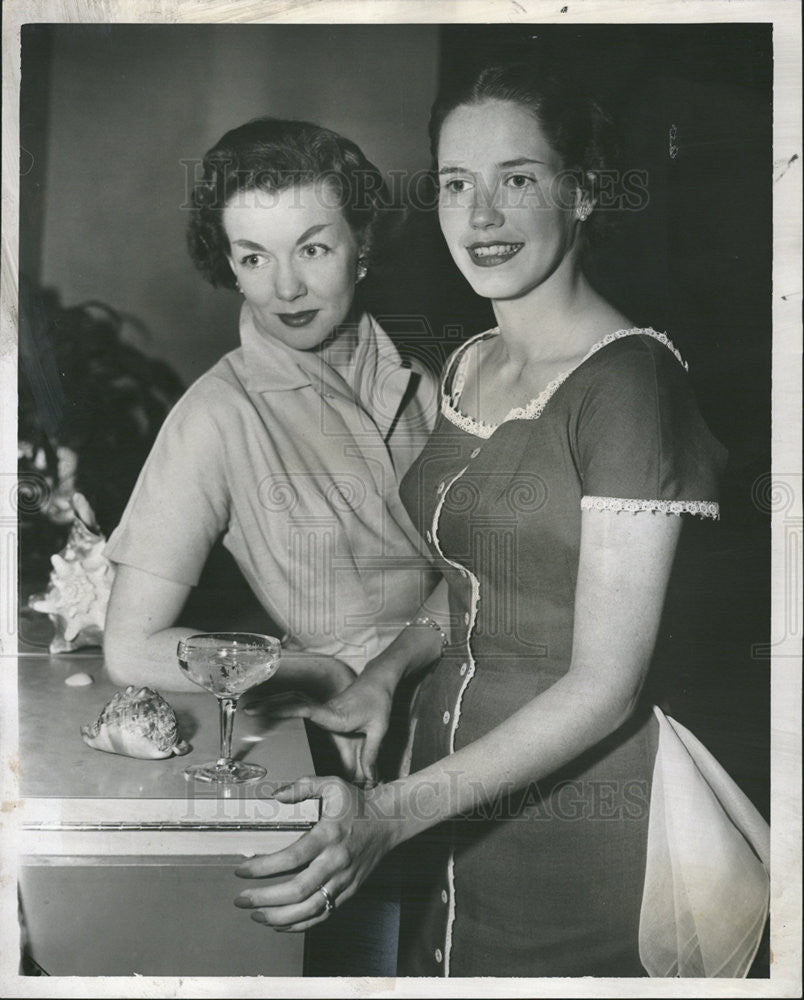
(546, 880)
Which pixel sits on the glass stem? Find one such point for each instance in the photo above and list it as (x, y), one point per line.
(227, 708)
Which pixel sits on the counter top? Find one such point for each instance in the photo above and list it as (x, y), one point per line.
(126, 866)
(56, 763)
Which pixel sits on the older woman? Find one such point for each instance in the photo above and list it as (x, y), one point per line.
(568, 445)
(290, 448)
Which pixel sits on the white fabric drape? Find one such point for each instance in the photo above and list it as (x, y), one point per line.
(707, 886)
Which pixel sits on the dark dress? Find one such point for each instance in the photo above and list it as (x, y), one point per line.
(547, 880)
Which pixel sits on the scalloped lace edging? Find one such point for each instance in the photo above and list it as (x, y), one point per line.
(449, 400)
(534, 409)
(702, 508)
(646, 331)
(478, 428)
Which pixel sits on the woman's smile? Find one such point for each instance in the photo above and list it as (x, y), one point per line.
(492, 254)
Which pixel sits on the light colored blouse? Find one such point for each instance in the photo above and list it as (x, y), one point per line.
(293, 459)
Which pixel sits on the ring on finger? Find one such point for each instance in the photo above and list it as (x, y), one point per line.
(327, 899)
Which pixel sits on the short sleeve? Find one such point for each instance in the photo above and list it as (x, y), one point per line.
(180, 503)
(641, 441)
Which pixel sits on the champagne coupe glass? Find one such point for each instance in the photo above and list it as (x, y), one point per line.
(228, 664)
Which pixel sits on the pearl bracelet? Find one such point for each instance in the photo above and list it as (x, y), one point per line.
(423, 620)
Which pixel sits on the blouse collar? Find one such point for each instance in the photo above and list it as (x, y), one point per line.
(362, 363)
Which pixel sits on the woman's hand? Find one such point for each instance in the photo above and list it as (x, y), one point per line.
(355, 830)
(302, 676)
(362, 709)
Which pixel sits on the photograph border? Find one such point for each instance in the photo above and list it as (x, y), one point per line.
(784, 493)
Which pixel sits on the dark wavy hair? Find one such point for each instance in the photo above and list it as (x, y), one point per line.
(575, 125)
(272, 154)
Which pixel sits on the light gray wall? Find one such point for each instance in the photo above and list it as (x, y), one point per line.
(127, 104)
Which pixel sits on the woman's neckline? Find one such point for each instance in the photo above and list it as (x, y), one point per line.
(533, 409)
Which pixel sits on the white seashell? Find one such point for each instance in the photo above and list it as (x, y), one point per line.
(79, 586)
(78, 680)
(137, 722)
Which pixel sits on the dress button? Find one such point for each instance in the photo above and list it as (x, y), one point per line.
(445, 717)
(444, 896)
(438, 955)
(463, 668)
(474, 453)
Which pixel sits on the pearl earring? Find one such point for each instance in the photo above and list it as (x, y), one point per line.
(237, 286)
(362, 269)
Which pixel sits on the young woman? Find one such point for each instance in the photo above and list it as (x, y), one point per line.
(568, 445)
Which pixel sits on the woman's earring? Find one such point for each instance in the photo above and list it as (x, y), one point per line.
(237, 286)
(362, 269)
(583, 211)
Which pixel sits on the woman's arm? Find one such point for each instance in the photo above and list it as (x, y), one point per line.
(140, 641)
(365, 706)
(625, 564)
(417, 646)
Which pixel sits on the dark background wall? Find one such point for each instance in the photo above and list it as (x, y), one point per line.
(114, 115)
(110, 112)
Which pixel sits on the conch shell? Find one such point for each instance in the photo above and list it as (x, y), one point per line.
(136, 723)
(79, 586)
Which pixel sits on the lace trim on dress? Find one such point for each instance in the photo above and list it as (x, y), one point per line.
(449, 400)
(469, 668)
(703, 508)
(533, 410)
(459, 354)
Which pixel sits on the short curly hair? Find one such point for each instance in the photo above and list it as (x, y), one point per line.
(272, 154)
(575, 125)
